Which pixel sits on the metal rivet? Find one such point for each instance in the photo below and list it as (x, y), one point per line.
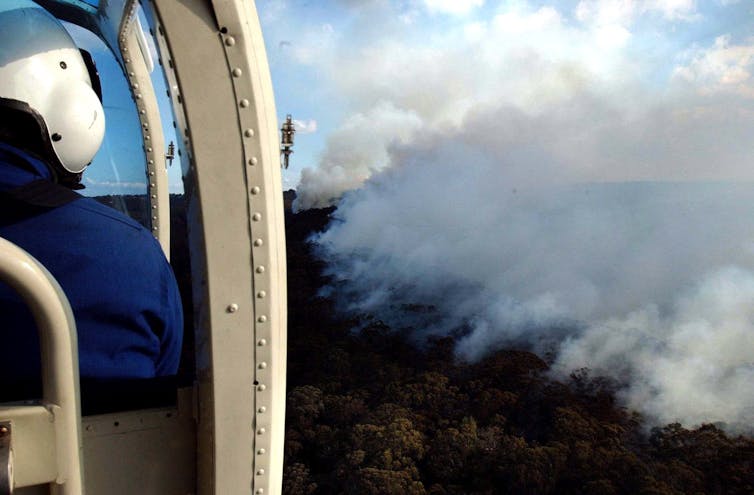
(131, 74)
(138, 96)
(151, 162)
(136, 85)
(237, 72)
(262, 319)
(232, 308)
(261, 294)
(143, 112)
(149, 150)
(258, 242)
(154, 196)
(248, 133)
(147, 138)
(260, 472)
(253, 160)
(154, 218)
(151, 174)
(256, 217)
(261, 431)
(262, 365)
(262, 388)
(128, 60)
(230, 41)
(260, 269)
(255, 190)
(261, 452)
(260, 491)
(154, 207)
(244, 103)
(262, 410)
(262, 342)
(151, 184)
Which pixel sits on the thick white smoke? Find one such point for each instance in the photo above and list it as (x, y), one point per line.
(356, 151)
(487, 232)
(576, 179)
(692, 362)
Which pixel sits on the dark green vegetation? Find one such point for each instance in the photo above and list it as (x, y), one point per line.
(369, 413)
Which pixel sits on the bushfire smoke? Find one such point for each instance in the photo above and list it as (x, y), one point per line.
(650, 283)
(570, 179)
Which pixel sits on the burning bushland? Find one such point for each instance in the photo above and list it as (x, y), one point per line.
(370, 411)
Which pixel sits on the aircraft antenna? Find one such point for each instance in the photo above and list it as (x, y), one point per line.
(287, 131)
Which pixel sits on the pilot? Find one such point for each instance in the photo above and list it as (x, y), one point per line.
(122, 290)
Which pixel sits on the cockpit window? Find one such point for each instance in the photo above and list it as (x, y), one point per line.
(164, 91)
(116, 176)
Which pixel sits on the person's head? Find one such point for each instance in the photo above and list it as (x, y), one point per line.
(50, 101)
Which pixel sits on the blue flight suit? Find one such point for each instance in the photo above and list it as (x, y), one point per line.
(122, 290)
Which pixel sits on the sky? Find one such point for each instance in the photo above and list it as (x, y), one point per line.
(571, 177)
(363, 75)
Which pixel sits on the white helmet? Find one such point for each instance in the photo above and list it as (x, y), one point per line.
(45, 75)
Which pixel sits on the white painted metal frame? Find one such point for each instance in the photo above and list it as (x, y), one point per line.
(144, 452)
(237, 240)
(148, 109)
(46, 439)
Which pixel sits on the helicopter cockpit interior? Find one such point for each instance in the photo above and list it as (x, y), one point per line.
(191, 152)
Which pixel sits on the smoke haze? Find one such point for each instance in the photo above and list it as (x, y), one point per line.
(575, 177)
(493, 227)
(650, 283)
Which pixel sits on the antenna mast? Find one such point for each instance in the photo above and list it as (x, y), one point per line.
(287, 131)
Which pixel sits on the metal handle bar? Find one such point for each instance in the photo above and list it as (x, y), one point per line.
(59, 352)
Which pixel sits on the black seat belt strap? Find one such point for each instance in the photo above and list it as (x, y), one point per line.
(42, 194)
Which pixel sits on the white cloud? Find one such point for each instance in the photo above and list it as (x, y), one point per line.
(723, 67)
(625, 12)
(305, 126)
(455, 7)
(137, 187)
(606, 11)
(673, 9)
(520, 22)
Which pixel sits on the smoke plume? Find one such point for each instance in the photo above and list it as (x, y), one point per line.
(576, 181)
(493, 232)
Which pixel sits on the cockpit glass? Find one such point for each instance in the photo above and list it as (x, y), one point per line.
(116, 176)
(165, 89)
